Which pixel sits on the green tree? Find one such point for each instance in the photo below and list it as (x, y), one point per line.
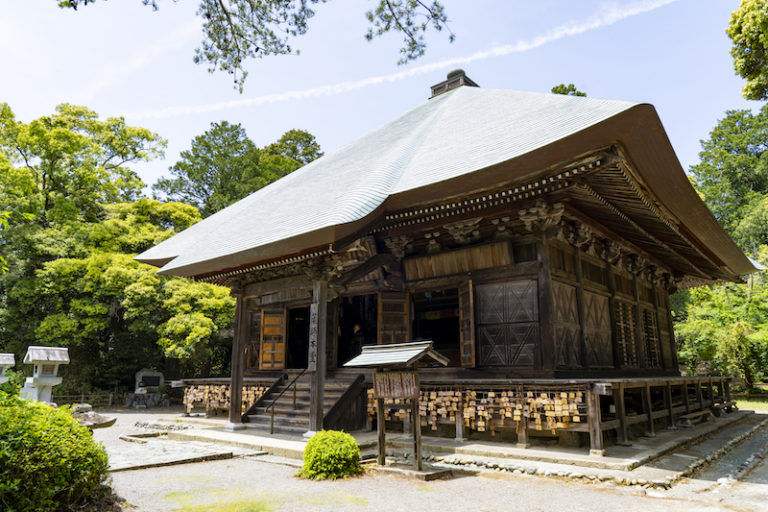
(727, 325)
(238, 30)
(68, 240)
(224, 165)
(748, 30)
(567, 90)
(297, 145)
(732, 175)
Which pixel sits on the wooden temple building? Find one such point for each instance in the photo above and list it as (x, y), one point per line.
(534, 238)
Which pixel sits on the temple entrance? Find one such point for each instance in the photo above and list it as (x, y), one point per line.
(298, 338)
(357, 325)
(436, 318)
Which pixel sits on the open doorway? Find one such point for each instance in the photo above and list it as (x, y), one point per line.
(298, 337)
(436, 318)
(357, 325)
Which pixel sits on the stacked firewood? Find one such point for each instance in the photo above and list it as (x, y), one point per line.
(215, 398)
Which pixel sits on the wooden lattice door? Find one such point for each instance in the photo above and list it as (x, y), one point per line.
(394, 319)
(272, 340)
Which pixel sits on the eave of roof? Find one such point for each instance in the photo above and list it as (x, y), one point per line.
(463, 141)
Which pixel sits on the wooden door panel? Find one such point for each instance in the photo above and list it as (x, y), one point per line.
(394, 317)
(272, 340)
(597, 330)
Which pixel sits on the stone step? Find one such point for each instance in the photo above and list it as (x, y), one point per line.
(297, 421)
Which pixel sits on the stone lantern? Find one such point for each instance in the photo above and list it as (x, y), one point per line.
(46, 361)
(6, 361)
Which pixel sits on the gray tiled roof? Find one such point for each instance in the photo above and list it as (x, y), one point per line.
(451, 135)
(396, 355)
(7, 359)
(56, 354)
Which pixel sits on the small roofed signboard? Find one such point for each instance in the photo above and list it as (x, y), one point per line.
(396, 384)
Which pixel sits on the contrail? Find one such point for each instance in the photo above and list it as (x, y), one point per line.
(605, 16)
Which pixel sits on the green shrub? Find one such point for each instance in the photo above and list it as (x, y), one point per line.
(330, 455)
(48, 461)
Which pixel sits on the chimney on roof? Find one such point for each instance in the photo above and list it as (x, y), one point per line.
(456, 78)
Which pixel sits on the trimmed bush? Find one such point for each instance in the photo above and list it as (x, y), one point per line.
(331, 454)
(48, 461)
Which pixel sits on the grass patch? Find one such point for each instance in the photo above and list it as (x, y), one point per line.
(753, 404)
(338, 498)
(231, 500)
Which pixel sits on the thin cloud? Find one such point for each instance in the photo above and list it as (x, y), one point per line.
(607, 15)
(114, 74)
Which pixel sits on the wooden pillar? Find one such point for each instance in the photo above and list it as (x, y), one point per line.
(684, 388)
(239, 342)
(727, 390)
(595, 427)
(416, 433)
(641, 346)
(699, 394)
(668, 402)
(621, 413)
(460, 433)
(381, 423)
(711, 392)
(317, 364)
(522, 425)
(546, 309)
(650, 431)
(583, 350)
(408, 420)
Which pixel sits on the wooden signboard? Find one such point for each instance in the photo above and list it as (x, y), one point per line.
(396, 384)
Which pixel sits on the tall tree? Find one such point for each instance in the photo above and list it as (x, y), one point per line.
(223, 166)
(748, 29)
(567, 90)
(237, 30)
(297, 145)
(732, 175)
(68, 239)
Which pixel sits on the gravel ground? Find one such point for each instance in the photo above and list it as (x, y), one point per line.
(248, 484)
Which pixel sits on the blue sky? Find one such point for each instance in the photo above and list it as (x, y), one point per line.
(121, 58)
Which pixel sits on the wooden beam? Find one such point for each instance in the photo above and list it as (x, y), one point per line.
(668, 402)
(317, 366)
(362, 270)
(460, 433)
(546, 355)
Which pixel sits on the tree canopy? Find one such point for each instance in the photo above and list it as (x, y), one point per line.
(748, 29)
(223, 165)
(567, 90)
(732, 175)
(73, 222)
(238, 30)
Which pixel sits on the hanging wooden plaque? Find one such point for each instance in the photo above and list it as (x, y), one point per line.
(396, 384)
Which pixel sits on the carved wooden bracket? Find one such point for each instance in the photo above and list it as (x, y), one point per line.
(610, 251)
(433, 245)
(542, 216)
(634, 264)
(397, 245)
(465, 231)
(503, 226)
(579, 234)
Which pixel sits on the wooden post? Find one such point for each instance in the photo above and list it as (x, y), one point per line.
(416, 434)
(380, 427)
(684, 388)
(236, 380)
(522, 425)
(668, 401)
(546, 354)
(621, 413)
(699, 394)
(727, 390)
(317, 366)
(460, 434)
(595, 429)
(648, 406)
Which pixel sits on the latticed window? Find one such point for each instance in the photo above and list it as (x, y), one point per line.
(651, 333)
(625, 333)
